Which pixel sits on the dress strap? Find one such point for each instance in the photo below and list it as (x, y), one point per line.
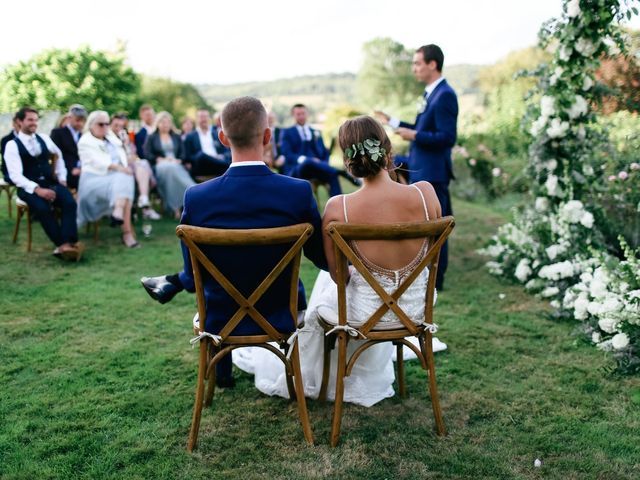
(344, 208)
(424, 203)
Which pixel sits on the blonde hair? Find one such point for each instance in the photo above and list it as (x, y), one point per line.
(164, 115)
(94, 117)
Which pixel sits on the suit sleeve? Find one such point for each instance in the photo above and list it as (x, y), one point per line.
(149, 150)
(186, 275)
(314, 249)
(290, 157)
(446, 116)
(322, 149)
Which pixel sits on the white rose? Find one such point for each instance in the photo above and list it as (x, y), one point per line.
(587, 169)
(605, 346)
(555, 304)
(564, 53)
(620, 341)
(557, 128)
(523, 271)
(573, 8)
(547, 106)
(578, 108)
(538, 126)
(587, 219)
(550, 292)
(542, 204)
(607, 325)
(585, 47)
(551, 185)
(551, 165)
(610, 305)
(596, 337)
(582, 134)
(587, 83)
(554, 250)
(580, 308)
(496, 172)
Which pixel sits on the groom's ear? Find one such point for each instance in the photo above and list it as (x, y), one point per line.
(266, 137)
(223, 138)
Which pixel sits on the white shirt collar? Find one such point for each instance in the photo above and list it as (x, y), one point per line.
(24, 137)
(204, 132)
(432, 86)
(250, 163)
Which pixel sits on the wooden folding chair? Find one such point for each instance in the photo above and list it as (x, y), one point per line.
(214, 347)
(8, 189)
(436, 232)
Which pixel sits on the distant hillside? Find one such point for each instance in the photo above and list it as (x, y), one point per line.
(320, 91)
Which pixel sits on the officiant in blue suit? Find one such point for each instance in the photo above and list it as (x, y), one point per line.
(203, 149)
(432, 135)
(248, 195)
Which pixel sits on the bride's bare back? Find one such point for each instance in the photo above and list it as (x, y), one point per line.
(383, 201)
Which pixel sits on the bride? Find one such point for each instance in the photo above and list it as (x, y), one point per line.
(380, 200)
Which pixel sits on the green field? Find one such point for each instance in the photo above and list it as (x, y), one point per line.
(97, 382)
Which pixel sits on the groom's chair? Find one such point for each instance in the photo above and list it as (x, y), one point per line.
(213, 347)
(337, 326)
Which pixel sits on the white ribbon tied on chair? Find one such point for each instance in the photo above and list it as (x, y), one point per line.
(216, 339)
(291, 341)
(431, 327)
(353, 332)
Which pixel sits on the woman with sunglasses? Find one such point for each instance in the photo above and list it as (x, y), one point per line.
(106, 181)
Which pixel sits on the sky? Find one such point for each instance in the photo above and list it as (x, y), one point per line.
(240, 40)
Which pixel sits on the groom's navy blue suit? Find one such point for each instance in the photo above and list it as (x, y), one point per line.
(250, 197)
(430, 153)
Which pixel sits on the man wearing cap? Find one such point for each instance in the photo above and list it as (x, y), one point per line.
(66, 138)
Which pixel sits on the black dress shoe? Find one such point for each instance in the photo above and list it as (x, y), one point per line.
(225, 382)
(159, 288)
(115, 221)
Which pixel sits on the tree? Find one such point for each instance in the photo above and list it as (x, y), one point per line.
(385, 80)
(55, 79)
(179, 99)
(620, 75)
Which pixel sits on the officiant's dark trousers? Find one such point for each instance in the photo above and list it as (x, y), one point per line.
(311, 169)
(442, 192)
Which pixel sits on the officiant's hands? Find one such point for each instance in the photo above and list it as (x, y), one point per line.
(406, 133)
(382, 117)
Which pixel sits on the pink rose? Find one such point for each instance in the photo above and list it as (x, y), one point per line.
(623, 175)
(472, 162)
(612, 178)
(635, 166)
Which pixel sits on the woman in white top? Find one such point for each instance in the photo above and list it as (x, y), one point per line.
(380, 200)
(106, 181)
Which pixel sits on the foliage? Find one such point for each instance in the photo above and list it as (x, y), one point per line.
(179, 99)
(101, 385)
(620, 77)
(557, 239)
(54, 79)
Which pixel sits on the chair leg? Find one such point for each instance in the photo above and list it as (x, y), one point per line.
(400, 366)
(16, 230)
(96, 227)
(300, 398)
(211, 382)
(29, 230)
(197, 407)
(326, 366)
(9, 206)
(337, 407)
(433, 387)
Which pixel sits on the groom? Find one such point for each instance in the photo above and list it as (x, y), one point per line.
(433, 134)
(248, 195)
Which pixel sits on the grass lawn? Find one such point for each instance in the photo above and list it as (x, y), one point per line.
(97, 382)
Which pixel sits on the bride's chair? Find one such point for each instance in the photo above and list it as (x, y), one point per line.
(213, 347)
(338, 327)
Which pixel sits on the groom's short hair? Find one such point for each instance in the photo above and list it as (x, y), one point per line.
(244, 121)
(434, 53)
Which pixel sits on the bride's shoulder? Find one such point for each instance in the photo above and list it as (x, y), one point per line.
(333, 208)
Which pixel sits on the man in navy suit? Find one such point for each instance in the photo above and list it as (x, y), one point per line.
(147, 121)
(203, 149)
(305, 155)
(67, 138)
(433, 134)
(248, 195)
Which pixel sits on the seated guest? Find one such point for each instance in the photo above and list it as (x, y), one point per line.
(248, 195)
(27, 158)
(272, 156)
(147, 126)
(203, 148)
(106, 184)
(3, 143)
(305, 154)
(66, 138)
(186, 127)
(141, 168)
(165, 152)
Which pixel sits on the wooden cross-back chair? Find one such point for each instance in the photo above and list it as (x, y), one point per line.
(214, 347)
(436, 232)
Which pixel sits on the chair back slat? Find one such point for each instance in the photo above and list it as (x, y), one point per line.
(193, 237)
(435, 232)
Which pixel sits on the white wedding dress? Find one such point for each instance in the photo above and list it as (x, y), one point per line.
(372, 377)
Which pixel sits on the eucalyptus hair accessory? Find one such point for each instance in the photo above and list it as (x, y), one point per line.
(370, 146)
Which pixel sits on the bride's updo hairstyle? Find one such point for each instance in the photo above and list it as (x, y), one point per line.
(366, 146)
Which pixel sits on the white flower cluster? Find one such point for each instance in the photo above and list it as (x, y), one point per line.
(574, 212)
